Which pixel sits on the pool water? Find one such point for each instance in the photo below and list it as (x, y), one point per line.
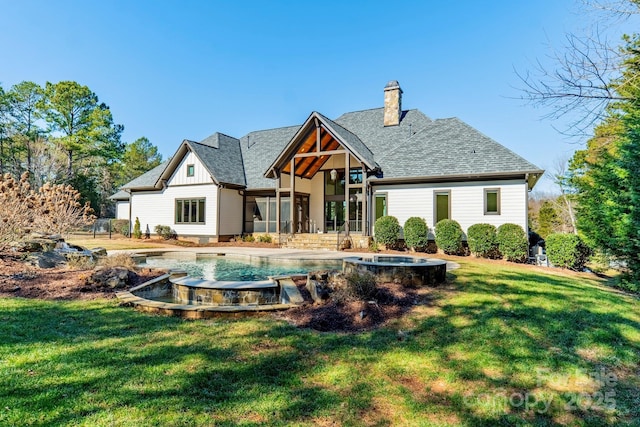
(228, 269)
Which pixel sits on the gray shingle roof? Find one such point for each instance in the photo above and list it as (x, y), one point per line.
(147, 179)
(450, 147)
(260, 149)
(222, 156)
(369, 127)
(417, 147)
(355, 144)
(120, 195)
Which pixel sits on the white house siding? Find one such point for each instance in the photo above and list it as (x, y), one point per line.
(158, 208)
(122, 209)
(230, 212)
(466, 201)
(200, 174)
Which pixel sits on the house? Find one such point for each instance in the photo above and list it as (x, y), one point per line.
(334, 176)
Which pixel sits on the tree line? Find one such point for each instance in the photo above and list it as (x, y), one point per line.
(61, 133)
(599, 84)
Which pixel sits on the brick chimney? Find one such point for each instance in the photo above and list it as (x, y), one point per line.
(392, 103)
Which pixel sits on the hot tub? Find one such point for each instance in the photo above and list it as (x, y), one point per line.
(410, 271)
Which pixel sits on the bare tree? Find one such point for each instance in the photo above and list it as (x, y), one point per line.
(582, 82)
(58, 209)
(17, 201)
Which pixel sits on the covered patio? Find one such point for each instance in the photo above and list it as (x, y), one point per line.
(324, 171)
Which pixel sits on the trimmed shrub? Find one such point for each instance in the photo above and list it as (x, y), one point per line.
(449, 236)
(249, 238)
(567, 251)
(416, 233)
(137, 233)
(387, 229)
(482, 240)
(264, 238)
(165, 232)
(513, 242)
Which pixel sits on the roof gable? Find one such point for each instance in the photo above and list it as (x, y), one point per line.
(330, 137)
(219, 154)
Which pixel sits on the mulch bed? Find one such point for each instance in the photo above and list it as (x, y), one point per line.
(392, 300)
(19, 279)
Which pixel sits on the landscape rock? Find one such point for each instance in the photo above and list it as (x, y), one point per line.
(47, 259)
(99, 252)
(112, 278)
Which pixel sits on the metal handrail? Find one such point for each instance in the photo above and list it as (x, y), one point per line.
(339, 230)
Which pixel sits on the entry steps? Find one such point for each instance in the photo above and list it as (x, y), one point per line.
(312, 241)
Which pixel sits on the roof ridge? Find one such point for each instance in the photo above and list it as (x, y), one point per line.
(372, 109)
(270, 129)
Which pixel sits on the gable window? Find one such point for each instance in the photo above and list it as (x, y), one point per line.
(190, 211)
(442, 204)
(492, 201)
(191, 170)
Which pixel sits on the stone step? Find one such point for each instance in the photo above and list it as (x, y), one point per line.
(289, 292)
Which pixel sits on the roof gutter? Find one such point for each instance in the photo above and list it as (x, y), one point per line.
(531, 176)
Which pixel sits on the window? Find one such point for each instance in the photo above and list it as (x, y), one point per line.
(190, 170)
(190, 211)
(442, 203)
(381, 205)
(334, 188)
(492, 201)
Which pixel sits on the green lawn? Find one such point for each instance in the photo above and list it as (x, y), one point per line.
(117, 242)
(501, 345)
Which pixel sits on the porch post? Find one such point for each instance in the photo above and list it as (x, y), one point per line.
(277, 205)
(292, 205)
(364, 202)
(347, 196)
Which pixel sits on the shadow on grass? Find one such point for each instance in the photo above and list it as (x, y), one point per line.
(94, 363)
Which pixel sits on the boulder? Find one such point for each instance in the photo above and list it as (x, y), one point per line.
(112, 278)
(46, 259)
(99, 252)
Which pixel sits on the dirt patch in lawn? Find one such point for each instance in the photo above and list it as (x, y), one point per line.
(20, 279)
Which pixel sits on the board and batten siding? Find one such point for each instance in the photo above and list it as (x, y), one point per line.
(466, 202)
(158, 208)
(231, 210)
(200, 173)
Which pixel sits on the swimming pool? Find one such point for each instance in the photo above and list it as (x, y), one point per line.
(235, 268)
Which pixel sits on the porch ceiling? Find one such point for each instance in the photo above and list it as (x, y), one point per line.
(307, 165)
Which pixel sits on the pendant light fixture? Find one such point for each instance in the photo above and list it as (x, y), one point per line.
(334, 173)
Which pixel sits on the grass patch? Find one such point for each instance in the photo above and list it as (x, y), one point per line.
(495, 333)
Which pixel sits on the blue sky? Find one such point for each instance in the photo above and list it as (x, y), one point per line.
(172, 70)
